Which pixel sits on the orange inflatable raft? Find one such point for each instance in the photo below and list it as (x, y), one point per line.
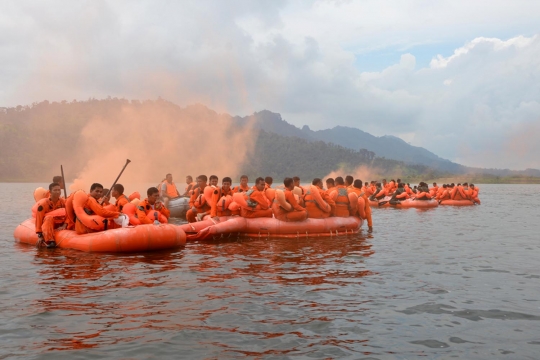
(409, 203)
(271, 227)
(457, 203)
(131, 239)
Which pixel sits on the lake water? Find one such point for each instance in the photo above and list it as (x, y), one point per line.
(437, 284)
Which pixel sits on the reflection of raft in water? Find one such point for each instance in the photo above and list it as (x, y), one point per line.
(409, 203)
(179, 206)
(130, 239)
(271, 227)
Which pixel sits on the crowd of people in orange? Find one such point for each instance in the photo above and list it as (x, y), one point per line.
(342, 197)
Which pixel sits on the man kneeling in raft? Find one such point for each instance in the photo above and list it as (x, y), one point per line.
(257, 202)
(45, 225)
(152, 203)
(296, 212)
(92, 207)
(197, 202)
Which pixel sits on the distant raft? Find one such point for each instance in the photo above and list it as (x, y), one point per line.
(457, 202)
(408, 203)
(179, 206)
(124, 240)
(270, 227)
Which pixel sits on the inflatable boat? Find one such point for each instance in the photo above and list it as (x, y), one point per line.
(408, 203)
(124, 240)
(179, 206)
(270, 227)
(457, 203)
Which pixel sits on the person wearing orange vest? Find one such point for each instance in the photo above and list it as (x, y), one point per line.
(243, 187)
(314, 210)
(198, 205)
(341, 197)
(349, 182)
(474, 194)
(118, 193)
(45, 225)
(434, 190)
(297, 213)
(190, 185)
(92, 207)
(151, 203)
(443, 194)
(363, 208)
(218, 207)
(105, 200)
(257, 202)
(213, 180)
(168, 190)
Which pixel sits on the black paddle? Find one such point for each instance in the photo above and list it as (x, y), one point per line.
(63, 181)
(115, 181)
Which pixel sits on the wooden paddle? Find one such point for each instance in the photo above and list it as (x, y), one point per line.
(115, 181)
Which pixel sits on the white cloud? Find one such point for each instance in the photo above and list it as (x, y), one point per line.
(296, 58)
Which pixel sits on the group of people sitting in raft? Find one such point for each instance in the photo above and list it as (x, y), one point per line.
(288, 202)
(292, 203)
(399, 191)
(81, 209)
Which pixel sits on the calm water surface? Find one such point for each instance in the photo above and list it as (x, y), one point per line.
(437, 284)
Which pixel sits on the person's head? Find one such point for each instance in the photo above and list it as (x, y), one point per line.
(105, 196)
(317, 182)
(226, 183)
(58, 179)
(357, 183)
(268, 180)
(330, 183)
(349, 180)
(289, 183)
(296, 181)
(339, 181)
(366, 184)
(117, 190)
(444, 186)
(378, 184)
(384, 181)
(472, 186)
(153, 195)
(189, 179)
(96, 191)
(465, 184)
(398, 181)
(56, 190)
(168, 177)
(434, 184)
(201, 181)
(213, 180)
(400, 185)
(259, 183)
(244, 180)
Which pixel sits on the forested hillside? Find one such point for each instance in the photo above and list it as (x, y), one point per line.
(35, 139)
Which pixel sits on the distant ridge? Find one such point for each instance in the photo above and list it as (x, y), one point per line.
(386, 146)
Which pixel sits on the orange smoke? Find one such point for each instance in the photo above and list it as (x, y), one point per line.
(362, 172)
(160, 138)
